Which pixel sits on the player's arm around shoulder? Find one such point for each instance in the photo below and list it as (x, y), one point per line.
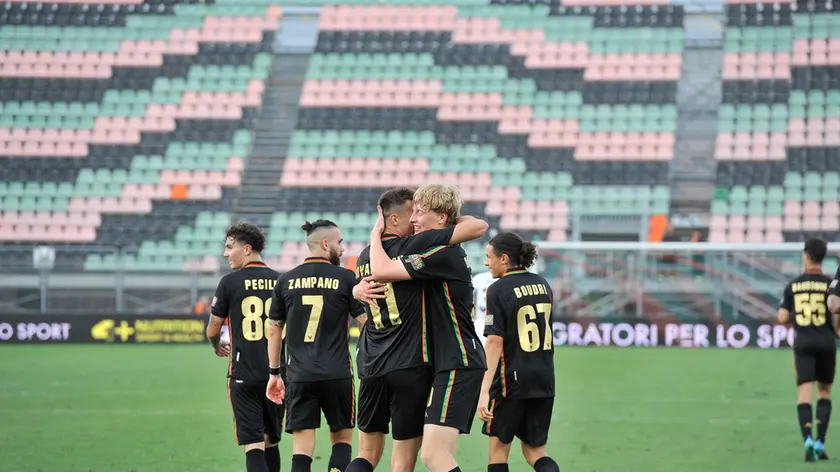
(466, 228)
(355, 307)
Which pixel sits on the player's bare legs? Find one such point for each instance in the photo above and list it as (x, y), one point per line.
(823, 417)
(341, 450)
(440, 444)
(404, 454)
(255, 457)
(303, 449)
(272, 456)
(535, 456)
(371, 448)
(499, 453)
(538, 459)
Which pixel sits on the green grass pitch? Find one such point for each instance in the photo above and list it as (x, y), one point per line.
(121, 408)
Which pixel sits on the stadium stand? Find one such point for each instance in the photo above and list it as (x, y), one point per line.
(537, 112)
(128, 122)
(779, 127)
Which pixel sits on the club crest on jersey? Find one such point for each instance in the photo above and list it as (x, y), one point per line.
(416, 261)
(488, 320)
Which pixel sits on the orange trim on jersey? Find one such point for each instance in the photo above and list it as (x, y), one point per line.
(490, 423)
(352, 402)
(388, 237)
(424, 347)
(254, 264)
(515, 271)
(455, 324)
(432, 251)
(316, 260)
(230, 356)
(502, 367)
(446, 396)
(235, 429)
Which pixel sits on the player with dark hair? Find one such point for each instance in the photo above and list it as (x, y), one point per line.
(517, 393)
(314, 302)
(458, 357)
(814, 347)
(393, 354)
(243, 297)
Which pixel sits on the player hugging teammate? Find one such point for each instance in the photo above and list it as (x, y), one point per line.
(815, 344)
(427, 334)
(422, 366)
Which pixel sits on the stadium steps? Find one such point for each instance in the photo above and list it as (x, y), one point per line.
(272, 133)
(698, 97)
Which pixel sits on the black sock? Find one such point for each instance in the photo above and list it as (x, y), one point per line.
(359, 465)
(546, 464)
(255, 461)
(456, 469)
(301, 463)
(272, 458)
(497, 467)
(806, 419)
(340, 457)
(823, 415)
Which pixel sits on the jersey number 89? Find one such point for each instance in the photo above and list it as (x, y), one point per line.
(254, 326)
(809, 308)
(529, 331)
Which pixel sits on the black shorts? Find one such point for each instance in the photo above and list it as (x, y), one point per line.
(398, 397)
(306, 400)
(254, 415)
(527, 419)
(815, 365)
(454, 399)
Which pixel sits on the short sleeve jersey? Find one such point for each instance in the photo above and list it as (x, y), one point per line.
(449, 304)
(805, 298)
(396, 333)
(519, 307)
(834, 287)
(315, 301)
(244, 297)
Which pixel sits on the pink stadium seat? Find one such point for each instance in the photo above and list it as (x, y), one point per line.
(811, 223)
(755, 222)
(792, 209)
(774, 238)
(829, 224)
(717, 236)
(737, 236)
(792, 223)
(755, 236)
(773, 223)
(737, 222)
(811, 209)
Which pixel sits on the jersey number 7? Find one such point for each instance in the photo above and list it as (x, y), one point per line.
(529, 331)
(317, 304)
